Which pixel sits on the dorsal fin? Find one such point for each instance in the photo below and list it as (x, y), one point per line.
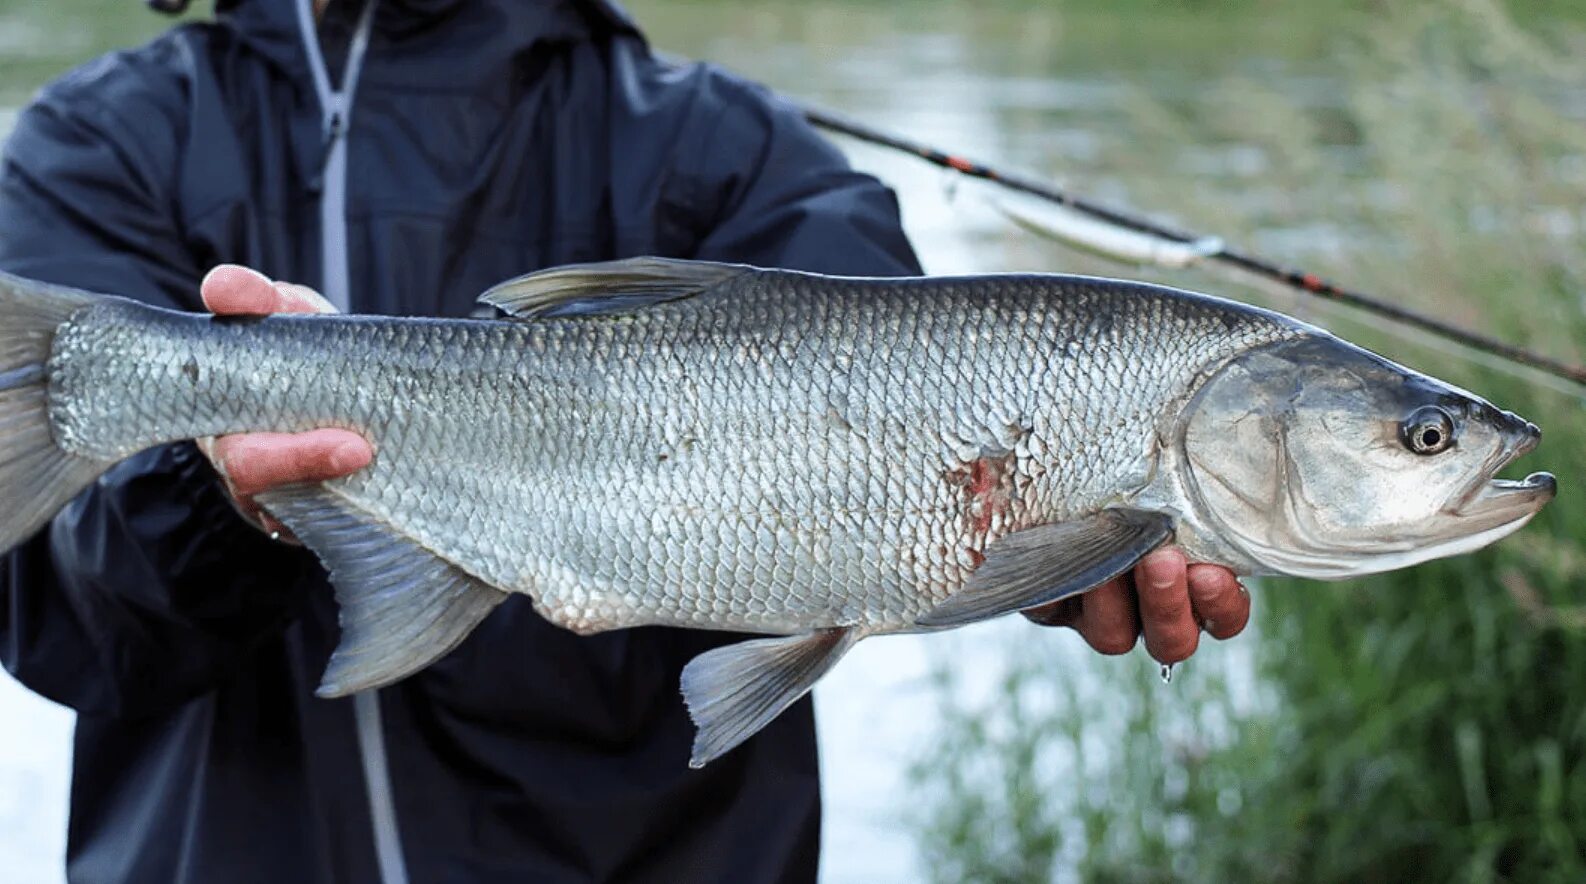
(607, 287)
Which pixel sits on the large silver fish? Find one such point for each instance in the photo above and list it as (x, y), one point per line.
(819, 459)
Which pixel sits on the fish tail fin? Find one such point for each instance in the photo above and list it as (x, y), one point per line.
(37, 476)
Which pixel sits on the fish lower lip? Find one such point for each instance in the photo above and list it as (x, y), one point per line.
(1511, 495)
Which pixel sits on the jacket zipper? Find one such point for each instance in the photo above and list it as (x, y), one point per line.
(336, 109)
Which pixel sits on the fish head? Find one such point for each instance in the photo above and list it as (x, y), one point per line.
(1315, 458)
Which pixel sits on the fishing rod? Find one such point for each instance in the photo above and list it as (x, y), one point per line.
(1160, 244)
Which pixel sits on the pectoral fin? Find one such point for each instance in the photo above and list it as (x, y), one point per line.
(735, 690)
(1050, 562)
(402, 606)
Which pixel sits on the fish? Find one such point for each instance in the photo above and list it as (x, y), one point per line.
(810, 458)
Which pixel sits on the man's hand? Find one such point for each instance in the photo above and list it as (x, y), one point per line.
(1167, 599)
(254, 462)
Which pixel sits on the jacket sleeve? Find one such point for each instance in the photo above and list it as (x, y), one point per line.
(783, 196)
(148, 588)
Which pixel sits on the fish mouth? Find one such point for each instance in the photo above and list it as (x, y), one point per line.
(1498, 500)
(1512, 497)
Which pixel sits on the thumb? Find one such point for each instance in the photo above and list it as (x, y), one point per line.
(234, 290)
(302, 299)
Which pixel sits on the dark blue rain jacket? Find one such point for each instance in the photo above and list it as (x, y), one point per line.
(485, 138)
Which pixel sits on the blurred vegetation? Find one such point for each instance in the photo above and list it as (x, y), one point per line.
(1428, 724)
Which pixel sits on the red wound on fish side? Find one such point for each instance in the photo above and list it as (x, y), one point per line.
(983, 475)
(985, 484)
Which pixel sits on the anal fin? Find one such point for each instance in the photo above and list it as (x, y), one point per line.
(735, 690)
(402, 606)
(1050, 562)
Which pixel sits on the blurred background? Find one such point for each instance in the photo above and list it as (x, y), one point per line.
(1429, 724)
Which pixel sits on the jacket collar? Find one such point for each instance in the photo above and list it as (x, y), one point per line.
(495, 33)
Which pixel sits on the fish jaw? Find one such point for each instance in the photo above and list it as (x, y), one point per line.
(1490, 510)
(1509, 496)
(1490, 497)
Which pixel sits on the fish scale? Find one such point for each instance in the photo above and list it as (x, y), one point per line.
(655, 442)
(682, 466)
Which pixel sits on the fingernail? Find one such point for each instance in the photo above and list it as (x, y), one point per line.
(235, 268)
(1209, 626)
(222, 465)
(347, 457)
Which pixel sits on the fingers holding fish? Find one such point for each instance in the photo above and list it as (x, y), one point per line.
(1167, 616)
(250, 463)
(1108, 617)
(231, 289)
(255, 462)
(1105, 616)
(1110, 621)
(1221, 605)
(234, 290)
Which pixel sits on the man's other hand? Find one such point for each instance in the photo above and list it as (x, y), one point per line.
(1168, 600)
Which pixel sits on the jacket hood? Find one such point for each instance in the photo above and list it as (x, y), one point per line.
(497, 31)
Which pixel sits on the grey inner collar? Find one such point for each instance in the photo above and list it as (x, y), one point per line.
(336, 112)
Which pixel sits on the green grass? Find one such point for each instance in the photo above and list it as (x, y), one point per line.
(1428, 724)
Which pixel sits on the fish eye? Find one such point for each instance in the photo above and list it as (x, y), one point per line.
(1428, 430)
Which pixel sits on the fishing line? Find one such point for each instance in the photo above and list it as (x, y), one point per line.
(1175, 241)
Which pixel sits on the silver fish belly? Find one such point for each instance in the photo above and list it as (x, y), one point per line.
(657, 442)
